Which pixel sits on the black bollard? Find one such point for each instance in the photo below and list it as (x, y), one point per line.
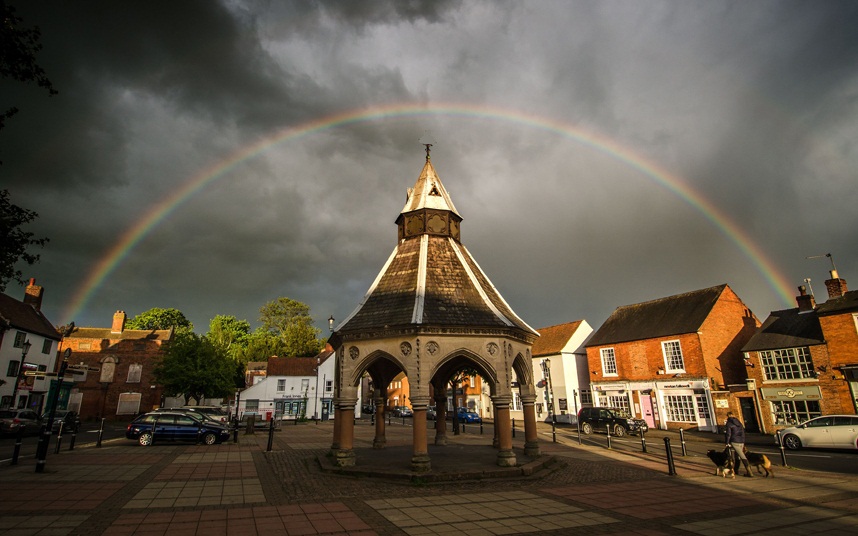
(100, 434)
(643, 440)
(608, 430)
(59, 438)
(271, 433)
(19, 438)
(73, 437)
(781, 446)
(235, 424)
(481, 427)
(682, 442)
(513, 428)
(554, 428)
(671, 468)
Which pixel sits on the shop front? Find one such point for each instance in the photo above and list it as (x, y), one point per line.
(788, 405)
(685, 404)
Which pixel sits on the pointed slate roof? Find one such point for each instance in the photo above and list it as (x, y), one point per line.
(674, 315)
(430, 278)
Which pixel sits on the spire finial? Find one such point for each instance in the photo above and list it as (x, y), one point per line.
(427, 141)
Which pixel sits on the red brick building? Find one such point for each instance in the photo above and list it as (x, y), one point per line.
(670, 361)
(803, 362)
(119, 381)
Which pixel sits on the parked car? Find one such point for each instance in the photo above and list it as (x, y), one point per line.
(175, 426)
(828, 431)
(70, 420)
(214, 412)
(431, 414)
(618, 419)
(191, 411)
(469, 417)
(14, 420)
(369, 409)
(402, 411)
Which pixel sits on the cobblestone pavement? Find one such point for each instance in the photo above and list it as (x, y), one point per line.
(242, 489)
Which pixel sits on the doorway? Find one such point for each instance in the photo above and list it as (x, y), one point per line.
(749, 415)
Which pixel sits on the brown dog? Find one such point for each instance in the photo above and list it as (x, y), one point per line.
(759, 461)
(723, 460)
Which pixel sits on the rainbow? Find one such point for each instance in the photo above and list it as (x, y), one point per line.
(114, 256)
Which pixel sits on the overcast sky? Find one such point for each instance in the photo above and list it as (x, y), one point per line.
(576, 128)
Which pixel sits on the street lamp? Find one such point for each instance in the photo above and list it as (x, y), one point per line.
(331, 323)
(25, 348)
(546, 367)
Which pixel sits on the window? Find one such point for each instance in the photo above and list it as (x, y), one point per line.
(471, 378)
(305, 385)
(108, 368)
(680, 408)
(251, 405)
(790, 412)
(702, 407)
(329, 386)
(20, 337)
(787, 364)
(46, 346)
(129, 404)
(619, 401)
(609, 362)
(134, 373)
(281, 386)
(586, 396)
(516, 401)
(13, 368)
(672, 356)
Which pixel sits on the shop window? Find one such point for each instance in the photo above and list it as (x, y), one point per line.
(792, 412)
(618, 401)
(680, 408)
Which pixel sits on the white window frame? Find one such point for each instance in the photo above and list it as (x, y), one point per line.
(329, 386)
(281, 385)
(680, 408)
(787, 364)
(671, 351)
(609, 361)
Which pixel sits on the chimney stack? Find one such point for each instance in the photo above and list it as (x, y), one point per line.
(33, 295)
(118, 322)
(836, 286)
(805, 301)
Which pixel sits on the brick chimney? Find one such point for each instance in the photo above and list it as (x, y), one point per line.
(118, 322)
(33, 295)
(836, 286)
(805, 301)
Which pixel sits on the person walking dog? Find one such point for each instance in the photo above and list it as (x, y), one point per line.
(735, 438)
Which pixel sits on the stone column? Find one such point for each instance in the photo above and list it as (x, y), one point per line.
(420, 462)
(506, 457)
(380, 439)
(345, 455)
(531, 441)
(335, 444)
(441, 420)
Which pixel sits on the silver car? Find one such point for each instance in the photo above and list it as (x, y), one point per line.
(826, 432)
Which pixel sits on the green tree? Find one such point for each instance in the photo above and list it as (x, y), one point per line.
(14, 241)
(195, 368)
(231, 334)
(290, 320)
(262, 344)
(158, 318)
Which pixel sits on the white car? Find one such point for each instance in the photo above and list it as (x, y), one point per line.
(826, 432)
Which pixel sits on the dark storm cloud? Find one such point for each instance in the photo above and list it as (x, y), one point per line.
(751, 105)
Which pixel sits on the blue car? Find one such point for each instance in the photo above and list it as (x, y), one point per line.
(469, 417)
(167, 426)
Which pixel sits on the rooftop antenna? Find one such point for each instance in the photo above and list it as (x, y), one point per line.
(833, 268)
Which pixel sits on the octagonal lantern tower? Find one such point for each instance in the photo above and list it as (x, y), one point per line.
(430, 313)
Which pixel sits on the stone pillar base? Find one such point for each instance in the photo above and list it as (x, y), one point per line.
(344, 458)
(420, 463)
(506, 458)
(440, 439)
(379, 443)
(531, 448)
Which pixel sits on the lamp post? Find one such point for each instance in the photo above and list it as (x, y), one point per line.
(25, 349)
(45, 437)
(331, 323)
(546, 367)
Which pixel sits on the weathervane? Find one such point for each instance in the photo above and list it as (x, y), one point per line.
(427, 141)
